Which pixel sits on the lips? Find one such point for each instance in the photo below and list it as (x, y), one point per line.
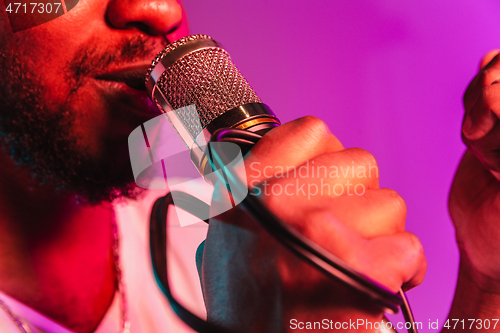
(124, 91)
(131, 76)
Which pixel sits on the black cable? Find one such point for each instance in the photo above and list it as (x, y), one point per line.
(287, 235)
(158, 244)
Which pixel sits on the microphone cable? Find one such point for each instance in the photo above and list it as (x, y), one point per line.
(303, 247)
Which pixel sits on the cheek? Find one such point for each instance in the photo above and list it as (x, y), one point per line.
(45, 72)
(92, 123)
(99, 121)
(45, 51)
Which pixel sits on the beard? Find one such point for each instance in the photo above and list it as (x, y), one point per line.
(39, 137)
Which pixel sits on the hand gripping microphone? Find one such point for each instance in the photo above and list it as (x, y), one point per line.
(205, 97)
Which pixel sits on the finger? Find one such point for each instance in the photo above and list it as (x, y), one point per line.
(373, 214)
(478, 120)
(488, 57)
(395, 261)
(353, 165)
(344, 172)
(392, 260)
(490, 64)
(290, 145)
(484, 114)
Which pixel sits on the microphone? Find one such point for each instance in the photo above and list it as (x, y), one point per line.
(194, 82)
(198, 87)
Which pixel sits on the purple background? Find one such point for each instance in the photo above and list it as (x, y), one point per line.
(387, 76)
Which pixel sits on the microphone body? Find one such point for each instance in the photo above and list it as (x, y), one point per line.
(198, 87)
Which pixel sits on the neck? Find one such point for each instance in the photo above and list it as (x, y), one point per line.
(55, 254)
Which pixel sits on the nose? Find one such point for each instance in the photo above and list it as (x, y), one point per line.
(154, 17)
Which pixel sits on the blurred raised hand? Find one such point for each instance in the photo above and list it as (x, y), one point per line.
(474, 201)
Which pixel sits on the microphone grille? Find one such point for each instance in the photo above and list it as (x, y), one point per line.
(197, 70)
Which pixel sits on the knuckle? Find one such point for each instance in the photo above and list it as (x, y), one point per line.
(364, 157)
(415, 249)
(309, 130)
(312, 122)
(314, 125)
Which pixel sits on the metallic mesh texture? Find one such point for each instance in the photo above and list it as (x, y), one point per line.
(206, 78)
(172, 46)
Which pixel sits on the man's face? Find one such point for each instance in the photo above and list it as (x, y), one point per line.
(71, 90)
